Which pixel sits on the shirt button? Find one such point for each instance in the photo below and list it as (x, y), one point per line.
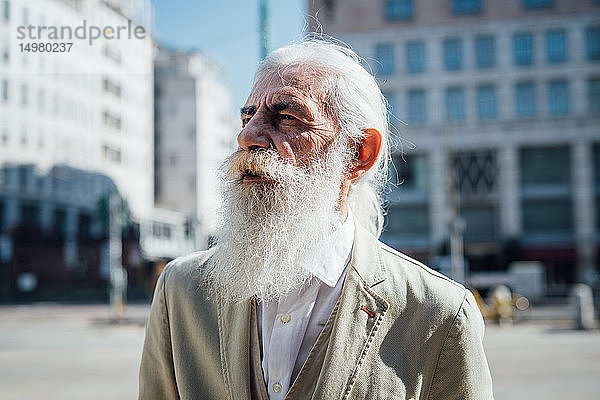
(277, 388)
(285, 318)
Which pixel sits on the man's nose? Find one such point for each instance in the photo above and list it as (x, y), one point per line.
(254, 135)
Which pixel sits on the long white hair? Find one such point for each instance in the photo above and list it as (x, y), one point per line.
(355, 103)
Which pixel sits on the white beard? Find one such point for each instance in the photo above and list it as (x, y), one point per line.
(266, 228)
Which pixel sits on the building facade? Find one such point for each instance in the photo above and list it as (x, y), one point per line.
(77, 128)
(89, 108)
(496, 110)
(193, 134)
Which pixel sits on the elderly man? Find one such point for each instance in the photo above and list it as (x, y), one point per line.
(298, 299)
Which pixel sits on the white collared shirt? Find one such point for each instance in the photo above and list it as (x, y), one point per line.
(289, 328)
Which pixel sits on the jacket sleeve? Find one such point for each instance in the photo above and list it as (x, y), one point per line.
(157, 373)
(462, 371)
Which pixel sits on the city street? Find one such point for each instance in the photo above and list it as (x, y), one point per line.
(56, 352)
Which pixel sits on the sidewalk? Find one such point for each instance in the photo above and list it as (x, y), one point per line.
(58, 352)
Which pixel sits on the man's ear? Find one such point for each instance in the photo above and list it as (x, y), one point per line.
(366, 154)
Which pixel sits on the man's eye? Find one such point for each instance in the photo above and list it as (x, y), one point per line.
(286, 116)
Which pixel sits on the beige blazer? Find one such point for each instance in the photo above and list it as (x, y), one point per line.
(420, 339)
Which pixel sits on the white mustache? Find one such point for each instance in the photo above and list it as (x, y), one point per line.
(264, 163)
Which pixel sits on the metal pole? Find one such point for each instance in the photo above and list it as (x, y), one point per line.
(263, 28)
(118, 276)
(457, 227)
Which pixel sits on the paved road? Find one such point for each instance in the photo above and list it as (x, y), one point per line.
(546, 361)
(68, 352)
(71, 353)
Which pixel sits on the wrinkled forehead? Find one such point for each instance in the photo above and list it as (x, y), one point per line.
(311, 81)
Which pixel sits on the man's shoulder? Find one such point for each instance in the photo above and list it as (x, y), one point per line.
(187, 269)
(425, 285)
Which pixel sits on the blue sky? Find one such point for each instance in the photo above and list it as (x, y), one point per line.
(227, 31)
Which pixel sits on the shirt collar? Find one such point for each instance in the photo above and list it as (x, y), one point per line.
(329, 258)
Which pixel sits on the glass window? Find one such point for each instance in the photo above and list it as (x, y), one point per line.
(466, 6)
(41, 100)
(525, 100)
(384, 54)
(480, 223)
(6, 10)
(484, 52)
(556, 49)
(408, 220)
(545, 166)
(592, 36)
(594, 96)
(410, 173)
(4, 93)
(399, 9)
(536, 221)
(415, 57)
(558, 98)
(455, 104)
(24, 93)
(392, 107)
(476, 173)
(486, 102)
(417, 106)
(523, 49)
(537, 3)
(453, 54)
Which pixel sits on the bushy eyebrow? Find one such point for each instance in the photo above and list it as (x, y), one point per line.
(249, 110)
(280, 106)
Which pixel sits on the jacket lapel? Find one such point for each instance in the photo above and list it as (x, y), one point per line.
(359, 316)
(234, 339)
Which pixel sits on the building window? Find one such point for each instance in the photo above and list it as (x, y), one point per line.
(399, 9)
(476, 175)
(455, 104)
(384, 54)
(391, 105)
(538, 3)
(594, 96)
(24, 95)
(537, 224)
(4, 93)
(484, 52)
(556, 49)
(466, 6)
(111, 120)
(417, 106)
(6, 10)
(545, 166)
(523, 49)
(408, 221)
(111, 87)
(112, 54)
(453, 54)
(41, 100)
(592, 36)
(486, 102)
(558, 98)
(408, 213)
(545, 188)
(412, 173)
(111, 154)
(525, 100)
(415, 57)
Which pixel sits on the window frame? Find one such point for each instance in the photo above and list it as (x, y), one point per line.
(453, 54)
